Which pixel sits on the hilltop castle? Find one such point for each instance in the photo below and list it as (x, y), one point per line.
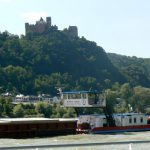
(43, 26)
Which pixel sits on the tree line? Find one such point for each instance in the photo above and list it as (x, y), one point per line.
(39, 109)
(120, 98)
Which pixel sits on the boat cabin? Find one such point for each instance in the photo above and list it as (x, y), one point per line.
(83, 99)
(126, 119)
(131, 119)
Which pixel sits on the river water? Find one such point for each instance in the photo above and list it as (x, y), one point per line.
(86, 138)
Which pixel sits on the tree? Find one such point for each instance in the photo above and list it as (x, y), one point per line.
(44, 108)
(18, 111)
(141, 98)
(126, 91)
(110, 100)
(2, 101)
(1, 109)
(8, 107)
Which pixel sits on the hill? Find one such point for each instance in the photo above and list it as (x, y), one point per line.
(40, 62)
(136, 70)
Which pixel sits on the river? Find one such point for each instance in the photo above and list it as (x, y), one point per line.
(86, 138)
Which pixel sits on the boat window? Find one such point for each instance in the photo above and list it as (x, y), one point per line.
(93, 98)
(84, 96)
(134, 120)
(74, 96)
(130, 120)
(65, 96)
(141, 119)
(78, 96)
(69, 96)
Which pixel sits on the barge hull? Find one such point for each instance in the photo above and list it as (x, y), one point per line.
(37, 128)
(138, 128)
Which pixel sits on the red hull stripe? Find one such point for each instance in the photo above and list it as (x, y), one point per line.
(121, 129)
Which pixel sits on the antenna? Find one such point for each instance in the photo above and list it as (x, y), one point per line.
(90, 89)
(59, 89)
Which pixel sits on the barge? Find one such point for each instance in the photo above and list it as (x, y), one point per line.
(107, 123)
(127, 122)
(36, 127)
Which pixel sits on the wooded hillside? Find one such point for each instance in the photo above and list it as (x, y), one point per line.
(39, 63)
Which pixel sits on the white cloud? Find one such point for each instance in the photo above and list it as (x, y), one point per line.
(34, 16)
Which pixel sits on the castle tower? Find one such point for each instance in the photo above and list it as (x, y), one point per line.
(48, 21)
(26, 28)
(29, 28)
(73, 31)
(40, 26)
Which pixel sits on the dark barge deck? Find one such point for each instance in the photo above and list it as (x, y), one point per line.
(36, 127)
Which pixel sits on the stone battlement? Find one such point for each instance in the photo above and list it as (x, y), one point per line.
(42, 26)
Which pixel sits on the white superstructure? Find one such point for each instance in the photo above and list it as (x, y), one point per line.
(83, 99)
(127, 119)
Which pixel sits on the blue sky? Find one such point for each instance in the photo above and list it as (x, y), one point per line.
(119, 26)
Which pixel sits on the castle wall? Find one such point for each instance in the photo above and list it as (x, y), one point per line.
(73, 31)
(48, 21)
(42, 26)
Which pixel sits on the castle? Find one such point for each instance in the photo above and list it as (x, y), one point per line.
(43, 26)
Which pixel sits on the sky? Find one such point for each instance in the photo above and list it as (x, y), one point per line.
(119, 26)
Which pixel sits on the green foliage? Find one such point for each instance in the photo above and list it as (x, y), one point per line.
(111, 97)
(141, 98)
(136, 70)
(70, 113)
(6, 106)
(40, 62)
(59, 111)
(126, 91)
(18, 111)
(124, 98)
(44, 108)
(29, 110)
(119, 99)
